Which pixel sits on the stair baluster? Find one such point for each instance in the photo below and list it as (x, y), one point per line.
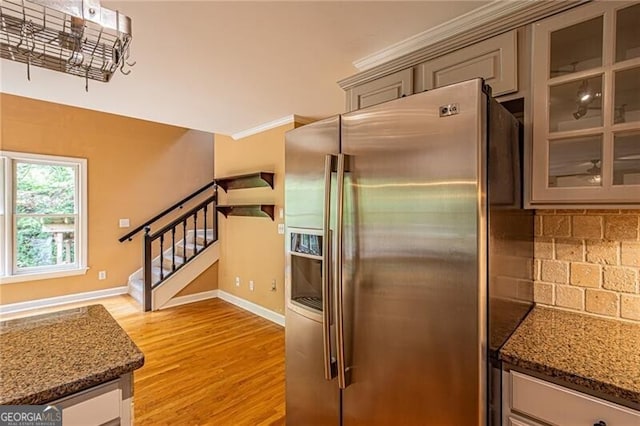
(173, 249)
(205, 227)
(195, 233)
(184, 240)
(147, 269)
(161, 257)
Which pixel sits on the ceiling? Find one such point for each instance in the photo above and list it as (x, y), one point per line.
(226, 67)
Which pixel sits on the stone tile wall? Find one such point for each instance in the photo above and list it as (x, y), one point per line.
(589, 260)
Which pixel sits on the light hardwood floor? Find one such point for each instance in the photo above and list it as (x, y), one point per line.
(206, 363)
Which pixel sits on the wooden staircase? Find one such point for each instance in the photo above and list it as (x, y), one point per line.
(178, 252)
(168, 277)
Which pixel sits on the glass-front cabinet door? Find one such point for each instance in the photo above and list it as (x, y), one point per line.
(586, 106)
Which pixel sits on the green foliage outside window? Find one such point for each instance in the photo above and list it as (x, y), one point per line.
(43, 189)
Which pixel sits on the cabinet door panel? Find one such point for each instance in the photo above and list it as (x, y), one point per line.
(586, 88)
(387, 88)
(626, 159)
(94, 406)
(494, 59)
(557, 405)
(519, 421)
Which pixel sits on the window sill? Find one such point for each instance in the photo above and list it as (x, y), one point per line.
(10, 279)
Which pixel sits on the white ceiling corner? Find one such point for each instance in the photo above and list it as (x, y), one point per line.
(263, 127)
(228, 66)
(271, 125)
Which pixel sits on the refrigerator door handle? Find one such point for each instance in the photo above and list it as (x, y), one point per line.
(340, 351)
(329, 364)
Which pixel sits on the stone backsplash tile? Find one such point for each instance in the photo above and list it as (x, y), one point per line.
(569, 249)
(630, 254)
(619, 278)
(585, 275)
(630, 307)
(556, 226)
(555, 272)
(589, 261)
(569, 297)
(603, 252)
(543, 248)
(587, 226)
(621, 227)
(601, 302)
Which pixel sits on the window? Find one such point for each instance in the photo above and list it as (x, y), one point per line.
(42, 216)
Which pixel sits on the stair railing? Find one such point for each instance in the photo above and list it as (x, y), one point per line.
(178, 229)
(171, 234)
(180, 204)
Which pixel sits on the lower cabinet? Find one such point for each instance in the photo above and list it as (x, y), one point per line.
(110, 403)
(529, 401)
(514, 420)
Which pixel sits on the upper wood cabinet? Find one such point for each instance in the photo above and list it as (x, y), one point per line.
(495, 60)
(586, 106)
(387, 88)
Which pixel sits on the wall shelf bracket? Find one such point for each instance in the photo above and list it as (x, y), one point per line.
(250, 180)
(255, 210)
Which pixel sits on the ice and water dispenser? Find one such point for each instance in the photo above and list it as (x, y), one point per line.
(306, 268)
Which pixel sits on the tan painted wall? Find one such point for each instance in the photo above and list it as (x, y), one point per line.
(135, 169)
(589, 261)
(208, 280)
(251, 247)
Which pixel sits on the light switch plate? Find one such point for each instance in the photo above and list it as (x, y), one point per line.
(124, 223)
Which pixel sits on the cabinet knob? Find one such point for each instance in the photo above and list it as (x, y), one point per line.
(600, 423)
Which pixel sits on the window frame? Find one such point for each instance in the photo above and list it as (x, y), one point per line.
(9, 272)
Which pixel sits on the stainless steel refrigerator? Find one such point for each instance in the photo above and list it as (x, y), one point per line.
(408, 261)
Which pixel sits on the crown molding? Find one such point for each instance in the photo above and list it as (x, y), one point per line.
(475, 17)
(487, 21)
(270, 125)
(303, 120)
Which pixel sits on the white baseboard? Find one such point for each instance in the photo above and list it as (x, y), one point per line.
(61, 300)
(252, 307)
(190, 298)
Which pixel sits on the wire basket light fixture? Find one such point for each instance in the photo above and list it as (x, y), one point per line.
(76, 37)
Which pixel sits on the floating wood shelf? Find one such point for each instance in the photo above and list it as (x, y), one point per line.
(251, 180)
(255, 210)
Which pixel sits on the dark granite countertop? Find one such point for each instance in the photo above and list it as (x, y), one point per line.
(601, 356)
(46, 357)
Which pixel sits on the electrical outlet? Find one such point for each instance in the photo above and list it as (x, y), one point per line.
(281, 228)
(102, 275)
(124, 223)
(273, 285)
(251, 285)
(237, 281)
